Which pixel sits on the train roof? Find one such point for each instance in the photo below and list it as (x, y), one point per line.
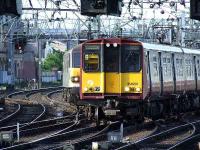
(76, 48)
(191, 51)
(169, 48)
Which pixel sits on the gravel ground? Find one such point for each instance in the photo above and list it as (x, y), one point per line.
(176, 138)
(39, 98)
(139, 134)
(55, 106)
(57, 96)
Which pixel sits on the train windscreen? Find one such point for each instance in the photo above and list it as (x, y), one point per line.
(131, 58)
(91, 58)
(111, 58)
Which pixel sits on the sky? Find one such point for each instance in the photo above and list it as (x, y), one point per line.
(70, 19)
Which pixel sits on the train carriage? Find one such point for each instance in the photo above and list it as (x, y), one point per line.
(71, 74)
(123, 77)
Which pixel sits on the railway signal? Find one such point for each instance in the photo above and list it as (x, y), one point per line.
(11, 7)
(195, 9)
(101, 7)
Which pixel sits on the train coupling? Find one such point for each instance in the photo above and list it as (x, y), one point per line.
(111, 108)
(111, 112)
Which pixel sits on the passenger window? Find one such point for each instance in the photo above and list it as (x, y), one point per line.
(154, 59)
(155, 66)
(188, 67)
(167, 67)
(179, 67)
(91, 62)
(164, 60)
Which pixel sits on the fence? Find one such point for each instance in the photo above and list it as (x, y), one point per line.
(4, 77)
(51, 76)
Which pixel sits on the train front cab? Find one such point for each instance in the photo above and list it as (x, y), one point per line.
(111, 74)
(71, 72)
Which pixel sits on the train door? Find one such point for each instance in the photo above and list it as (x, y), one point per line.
(155, 73)
(180, 74)
(168, 84)
(112, 68)
(198, 72)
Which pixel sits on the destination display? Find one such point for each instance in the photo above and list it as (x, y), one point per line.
(92, 47)
(132, 47)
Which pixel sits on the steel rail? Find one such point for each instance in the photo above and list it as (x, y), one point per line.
(38, 123)
(30, 144)
(40, 115)
(182, 142)
(35, 90)
(169, 131)
(13, 127)
(11, 115)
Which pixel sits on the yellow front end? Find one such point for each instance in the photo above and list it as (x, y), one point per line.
(92, 82)
(74, 77)
(111, 70)
(121, 83)
(111, 84)
(131, 82)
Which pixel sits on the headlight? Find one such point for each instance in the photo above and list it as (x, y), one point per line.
(107, 44)
(95, 146)
(126, 89)
(115, 44)
(75, 79)
(138, 89)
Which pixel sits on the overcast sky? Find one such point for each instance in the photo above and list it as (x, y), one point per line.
(70, 18)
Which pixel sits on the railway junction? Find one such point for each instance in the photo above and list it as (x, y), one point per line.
(99, 74)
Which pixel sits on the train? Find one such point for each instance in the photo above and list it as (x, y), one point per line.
(119, 78)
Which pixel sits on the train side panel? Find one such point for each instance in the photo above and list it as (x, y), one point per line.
(145, 75)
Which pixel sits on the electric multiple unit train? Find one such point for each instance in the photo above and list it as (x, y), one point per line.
(120, 77)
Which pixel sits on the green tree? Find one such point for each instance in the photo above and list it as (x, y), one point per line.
(53, 60)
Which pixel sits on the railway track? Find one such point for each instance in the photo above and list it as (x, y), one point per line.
(78, 137)
(37, 96)
(24, 114)
(55, 99)
(55, 95)
(26, 93)
(10, 111)
(48, 138)
(40, 129)
(164, 139)
(130, 133)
